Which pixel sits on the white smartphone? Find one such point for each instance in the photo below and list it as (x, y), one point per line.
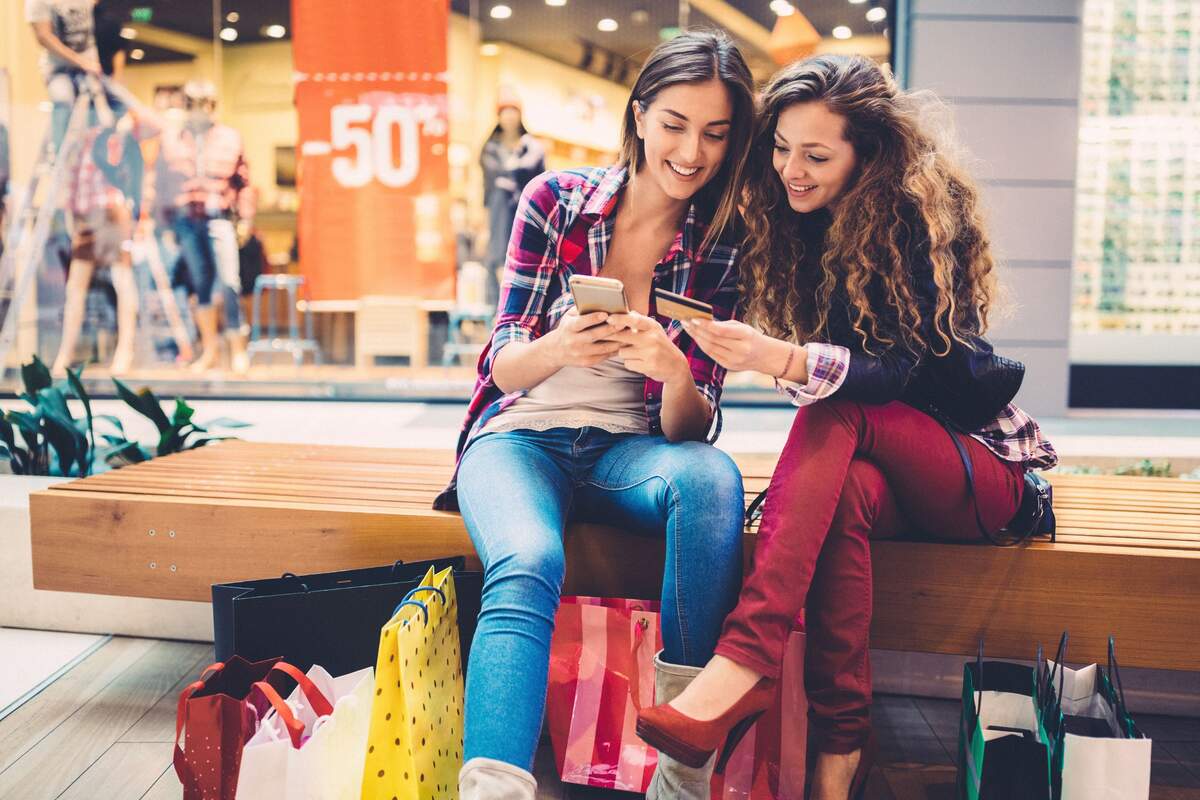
(594, 294)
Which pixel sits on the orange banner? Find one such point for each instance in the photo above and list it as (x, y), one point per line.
(373, 175)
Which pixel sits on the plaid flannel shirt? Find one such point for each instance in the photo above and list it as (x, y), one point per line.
(564, 226)
(1013, 435)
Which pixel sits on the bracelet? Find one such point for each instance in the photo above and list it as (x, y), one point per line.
(788, 364)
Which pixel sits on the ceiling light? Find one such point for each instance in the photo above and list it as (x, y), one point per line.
(232, 16)
(842, 32)
(877, 14)
(275, 31)
(640, 17)
(501, 12)
(128, 33)
(608, 25)
(137, 54)
(489, 49)
(858, 2)
(228, 34)
(782, 8)
(556, 2)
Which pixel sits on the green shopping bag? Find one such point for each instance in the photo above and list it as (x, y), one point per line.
(1000, 754)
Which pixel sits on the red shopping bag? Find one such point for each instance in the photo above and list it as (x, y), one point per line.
(601, 671)
(769, 763)
(220, 713)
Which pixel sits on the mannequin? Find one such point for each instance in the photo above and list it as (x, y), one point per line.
(203, 168)
(510, 159)
(104, 197)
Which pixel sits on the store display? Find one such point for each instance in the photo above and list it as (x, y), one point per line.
(1137, 226)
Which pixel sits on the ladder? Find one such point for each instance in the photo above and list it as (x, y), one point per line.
(30, 225)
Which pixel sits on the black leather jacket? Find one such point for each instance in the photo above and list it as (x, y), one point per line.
(967, 387)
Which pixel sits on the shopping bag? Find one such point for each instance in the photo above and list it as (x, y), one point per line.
(218, 714)
(298, 753)
(769, 762)
(333, 618)
(414, 748)
(601, 673)
(1000, 753)
(1098, 752)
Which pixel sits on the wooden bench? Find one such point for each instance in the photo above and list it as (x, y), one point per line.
(1127, 560)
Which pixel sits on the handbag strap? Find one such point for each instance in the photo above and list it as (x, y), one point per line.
(969, 468)
(1114, 674)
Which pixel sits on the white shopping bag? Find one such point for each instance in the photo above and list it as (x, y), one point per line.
(1104, 755)
(328, 763)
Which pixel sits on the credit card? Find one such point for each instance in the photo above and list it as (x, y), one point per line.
(681, 308)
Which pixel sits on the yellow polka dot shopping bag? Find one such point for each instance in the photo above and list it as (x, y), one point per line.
(414, 750)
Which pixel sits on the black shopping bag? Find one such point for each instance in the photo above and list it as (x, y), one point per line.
(332, 618)
(1001, 755)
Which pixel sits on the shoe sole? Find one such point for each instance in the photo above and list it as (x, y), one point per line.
(680, 751)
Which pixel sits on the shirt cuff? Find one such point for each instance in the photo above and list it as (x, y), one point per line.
(506, 334)
(827, 368)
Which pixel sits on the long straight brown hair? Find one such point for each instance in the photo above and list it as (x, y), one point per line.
(695, 57)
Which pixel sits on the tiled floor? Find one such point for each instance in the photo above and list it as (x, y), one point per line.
(103, 731)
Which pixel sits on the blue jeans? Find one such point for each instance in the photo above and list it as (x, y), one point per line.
(517, 490)
(208, 250)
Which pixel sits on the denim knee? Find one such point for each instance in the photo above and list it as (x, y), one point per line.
(705, 477)
(532, 572)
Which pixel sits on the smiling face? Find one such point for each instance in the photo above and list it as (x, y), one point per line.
(684, 134)
(811, 156)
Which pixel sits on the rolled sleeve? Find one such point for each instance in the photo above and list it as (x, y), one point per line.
(828, 365)
(530, 267)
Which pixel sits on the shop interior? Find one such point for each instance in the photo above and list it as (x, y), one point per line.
(529, 85)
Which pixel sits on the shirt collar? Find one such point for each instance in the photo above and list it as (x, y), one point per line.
(602, 203)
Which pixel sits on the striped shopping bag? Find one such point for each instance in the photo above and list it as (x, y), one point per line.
(601, 671)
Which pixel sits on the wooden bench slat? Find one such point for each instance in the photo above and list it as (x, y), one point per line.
(1127, 558)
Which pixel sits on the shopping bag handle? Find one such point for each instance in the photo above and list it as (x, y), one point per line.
(320, 705)
(296, 578)
(295, 727)
(417, 603)
(635, 669)
(426, 588)
(1114, 676)
(182, 770)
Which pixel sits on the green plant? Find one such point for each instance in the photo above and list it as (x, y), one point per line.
(48, 440)
(50, 436)
(175, 433)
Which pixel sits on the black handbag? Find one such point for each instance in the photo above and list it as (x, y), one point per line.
(1035, 513)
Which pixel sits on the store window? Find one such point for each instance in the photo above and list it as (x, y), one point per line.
(1136, 314)
(312, 198)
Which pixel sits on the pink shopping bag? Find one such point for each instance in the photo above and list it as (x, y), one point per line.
(769, 763)
(601, 671)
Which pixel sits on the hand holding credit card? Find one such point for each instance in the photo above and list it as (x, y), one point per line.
(681, 308)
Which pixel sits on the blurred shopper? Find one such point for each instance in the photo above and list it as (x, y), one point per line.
(203, 179)
(104, 198)
(66, 29)
(606, 416)
(869, 274)
(511, 158)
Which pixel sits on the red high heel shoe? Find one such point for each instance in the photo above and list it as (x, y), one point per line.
(692, 742)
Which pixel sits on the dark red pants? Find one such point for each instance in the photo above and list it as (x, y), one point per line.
(851, 472)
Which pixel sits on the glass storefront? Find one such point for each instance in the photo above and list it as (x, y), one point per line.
(1137, 225)
(311, 199)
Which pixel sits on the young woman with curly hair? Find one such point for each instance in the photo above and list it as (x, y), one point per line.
(867, 278)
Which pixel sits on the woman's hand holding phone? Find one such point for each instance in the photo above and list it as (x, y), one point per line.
(647, 350)
(583, 340)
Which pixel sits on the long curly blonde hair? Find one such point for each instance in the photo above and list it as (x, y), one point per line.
(906, 194)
